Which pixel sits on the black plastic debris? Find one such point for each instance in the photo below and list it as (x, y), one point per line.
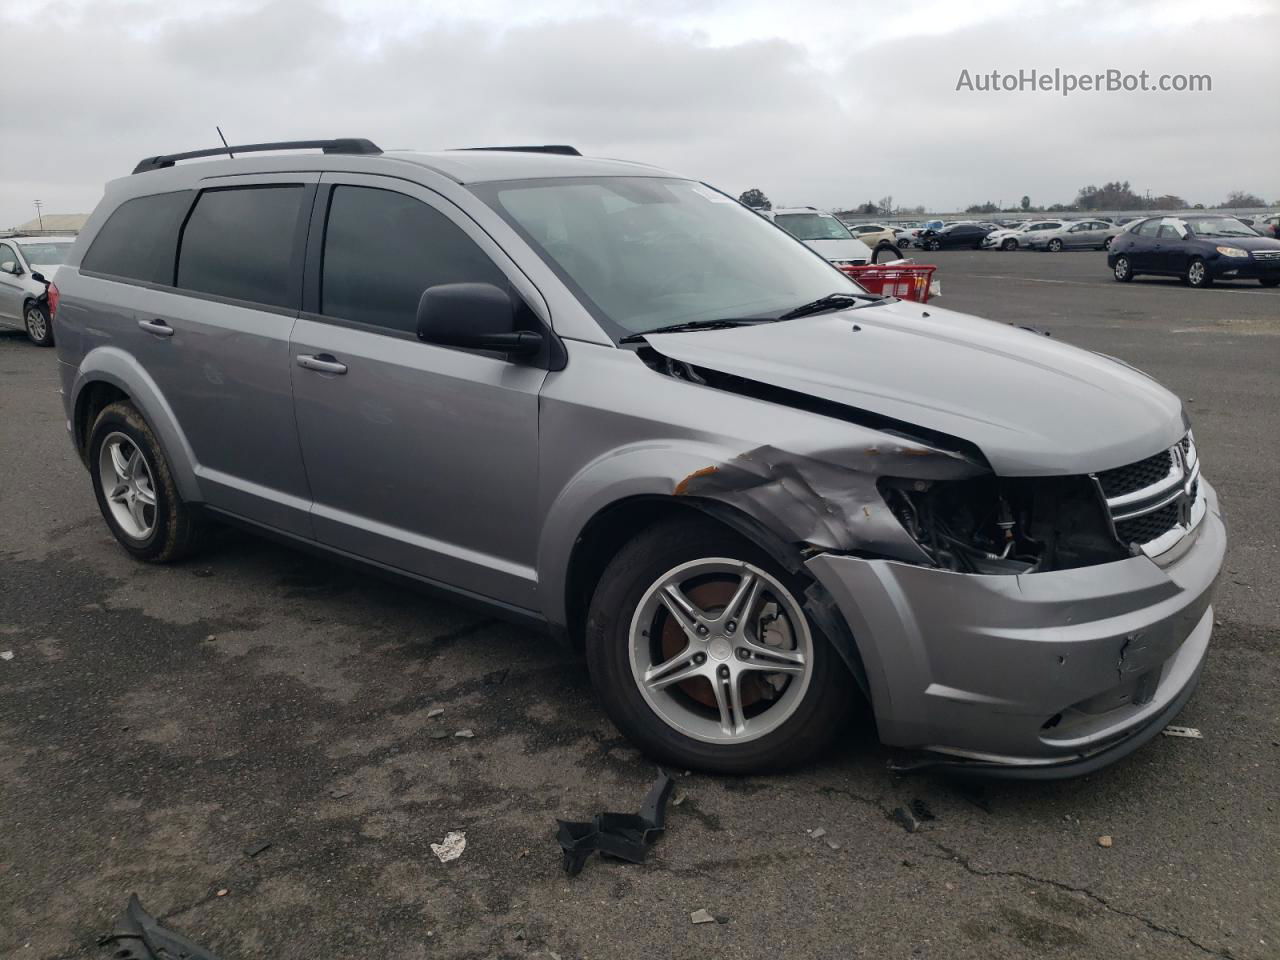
(253, 849)
(922, 811)
(905, 819)
(620, 836)
(140, 936)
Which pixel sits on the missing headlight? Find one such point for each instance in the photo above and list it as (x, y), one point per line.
(1001, 526)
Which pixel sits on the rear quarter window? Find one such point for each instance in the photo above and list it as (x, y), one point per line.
(241, 243)
(139, 241)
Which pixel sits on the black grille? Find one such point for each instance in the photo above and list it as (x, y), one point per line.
(1149, 526)
(1135, 476)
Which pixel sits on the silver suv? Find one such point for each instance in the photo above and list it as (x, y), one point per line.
(615, 403)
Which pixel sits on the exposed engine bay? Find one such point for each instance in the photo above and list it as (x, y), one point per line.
(1005, 526)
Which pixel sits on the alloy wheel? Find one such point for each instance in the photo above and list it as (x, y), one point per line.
(37, 326)
(1195, 273)
(720, 650)
(128, 485)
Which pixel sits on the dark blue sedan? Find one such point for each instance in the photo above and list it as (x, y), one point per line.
(1199, 249)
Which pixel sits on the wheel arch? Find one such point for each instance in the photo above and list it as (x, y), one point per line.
(107, 375)
(610, 528)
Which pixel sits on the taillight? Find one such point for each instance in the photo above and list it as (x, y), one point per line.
(54, 297)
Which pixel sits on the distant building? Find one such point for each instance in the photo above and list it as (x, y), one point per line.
(53, 223)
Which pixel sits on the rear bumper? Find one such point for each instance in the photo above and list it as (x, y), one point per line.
(1049, 674)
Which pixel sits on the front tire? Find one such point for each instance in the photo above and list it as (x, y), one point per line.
(38, 324)
(135, 489)
(1009, 244)
(1106, 244)
(1123, 270)
(700, 652)
(1270, 281)
(1197, 274)
(1054, 246)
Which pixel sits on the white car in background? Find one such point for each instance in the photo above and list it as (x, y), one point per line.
(1014, 237)
(907, 235)
(22, 296)
(822, 233)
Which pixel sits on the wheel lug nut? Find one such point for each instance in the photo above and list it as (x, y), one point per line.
(731, 626)
(702, 631)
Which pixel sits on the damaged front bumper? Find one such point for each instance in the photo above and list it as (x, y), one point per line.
(1035, 675)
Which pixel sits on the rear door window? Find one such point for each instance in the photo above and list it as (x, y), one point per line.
(139, 241)
(241, 243)
(1149, 229)
(382, 249)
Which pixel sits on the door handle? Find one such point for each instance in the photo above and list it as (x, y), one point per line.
(324, 362)
(157, 328)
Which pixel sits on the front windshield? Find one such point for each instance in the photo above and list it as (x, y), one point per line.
(1220, 227)
(46, 253)
(643, 253)
(812, 226)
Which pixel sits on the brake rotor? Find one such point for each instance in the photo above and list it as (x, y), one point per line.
(712, 597)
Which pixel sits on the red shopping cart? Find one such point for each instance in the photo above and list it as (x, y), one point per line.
(908, 281)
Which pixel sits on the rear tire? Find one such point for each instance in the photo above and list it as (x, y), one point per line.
(38, 324)
(630, 634)
(135, 489)
(1054, 245)
(1123, 270)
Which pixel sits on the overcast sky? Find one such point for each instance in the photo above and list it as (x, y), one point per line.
(829, 103)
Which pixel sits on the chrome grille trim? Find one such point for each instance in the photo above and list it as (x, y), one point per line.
(1266, 254)
(1179, 486)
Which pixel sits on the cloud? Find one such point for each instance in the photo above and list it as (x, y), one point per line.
(815, 102)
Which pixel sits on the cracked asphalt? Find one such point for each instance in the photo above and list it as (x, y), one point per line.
(157, 721)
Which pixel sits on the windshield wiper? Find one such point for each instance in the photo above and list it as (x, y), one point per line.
(691, 325)
(832, 301)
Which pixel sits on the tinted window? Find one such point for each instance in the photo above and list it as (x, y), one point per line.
(383, 249)
(139, 240)
(239, 243)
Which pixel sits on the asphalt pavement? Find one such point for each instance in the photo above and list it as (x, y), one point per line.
(157, 722)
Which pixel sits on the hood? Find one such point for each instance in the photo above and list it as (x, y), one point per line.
(840, 249)
(1032, 405)
(1244, 243)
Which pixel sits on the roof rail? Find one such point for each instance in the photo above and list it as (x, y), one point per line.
(351, 145)
(561, 148)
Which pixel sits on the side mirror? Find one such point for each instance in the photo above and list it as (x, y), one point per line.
(11, 266)
(477, 316)
(38, 277)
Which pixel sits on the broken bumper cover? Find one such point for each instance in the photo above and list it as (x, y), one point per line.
(1040, 675)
